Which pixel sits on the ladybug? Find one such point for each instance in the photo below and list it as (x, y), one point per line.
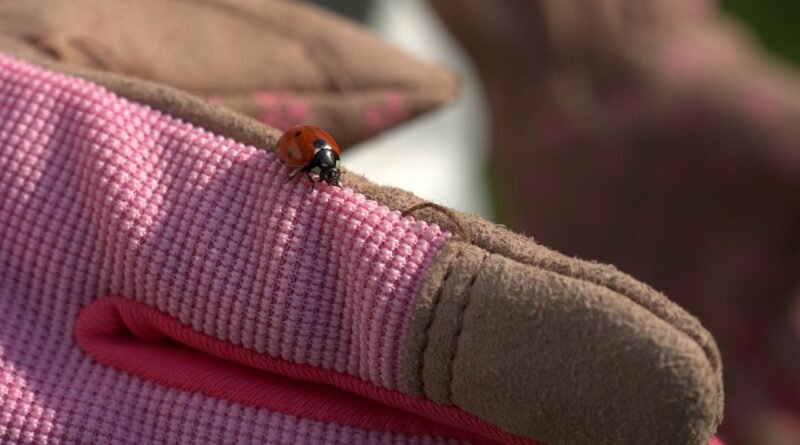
(310, 149)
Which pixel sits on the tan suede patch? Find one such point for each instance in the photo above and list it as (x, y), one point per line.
(558, 349)
(555, 358)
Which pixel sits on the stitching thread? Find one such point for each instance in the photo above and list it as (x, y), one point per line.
(460, 325)
(450, 214)
(436, 299)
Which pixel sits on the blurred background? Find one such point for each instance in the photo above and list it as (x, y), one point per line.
(442, 156)
(662, 136)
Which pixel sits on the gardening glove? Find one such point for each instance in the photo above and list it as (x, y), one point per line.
(281, 63)
(162, 282)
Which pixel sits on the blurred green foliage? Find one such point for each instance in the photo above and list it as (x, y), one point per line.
(355, 9)
(775, 22)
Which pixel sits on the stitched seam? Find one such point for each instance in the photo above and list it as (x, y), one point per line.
(460, 326)
(426, 332)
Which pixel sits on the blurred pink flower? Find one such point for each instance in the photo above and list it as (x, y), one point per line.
(282, 109)
(388, 112)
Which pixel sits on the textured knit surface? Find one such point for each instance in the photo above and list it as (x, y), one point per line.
(99, 195)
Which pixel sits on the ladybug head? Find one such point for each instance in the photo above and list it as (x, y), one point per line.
(330, 175)
(326, 165)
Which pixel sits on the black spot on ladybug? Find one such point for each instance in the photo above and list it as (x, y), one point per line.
(297, 134)
(290, 154)
(320, 143)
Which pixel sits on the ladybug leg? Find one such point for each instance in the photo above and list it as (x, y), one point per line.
(294, 173)
(313, 182)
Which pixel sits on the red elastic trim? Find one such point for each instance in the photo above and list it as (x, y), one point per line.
(150, 344)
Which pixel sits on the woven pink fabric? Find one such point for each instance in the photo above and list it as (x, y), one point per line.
(99, 195)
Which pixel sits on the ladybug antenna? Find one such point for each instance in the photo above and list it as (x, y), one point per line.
(450, 214)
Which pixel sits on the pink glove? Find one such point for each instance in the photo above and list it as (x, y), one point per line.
(162, 284)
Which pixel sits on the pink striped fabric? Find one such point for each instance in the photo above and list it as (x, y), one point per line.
(99, 195)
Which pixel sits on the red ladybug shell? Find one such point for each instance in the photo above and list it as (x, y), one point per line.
(296, 148)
